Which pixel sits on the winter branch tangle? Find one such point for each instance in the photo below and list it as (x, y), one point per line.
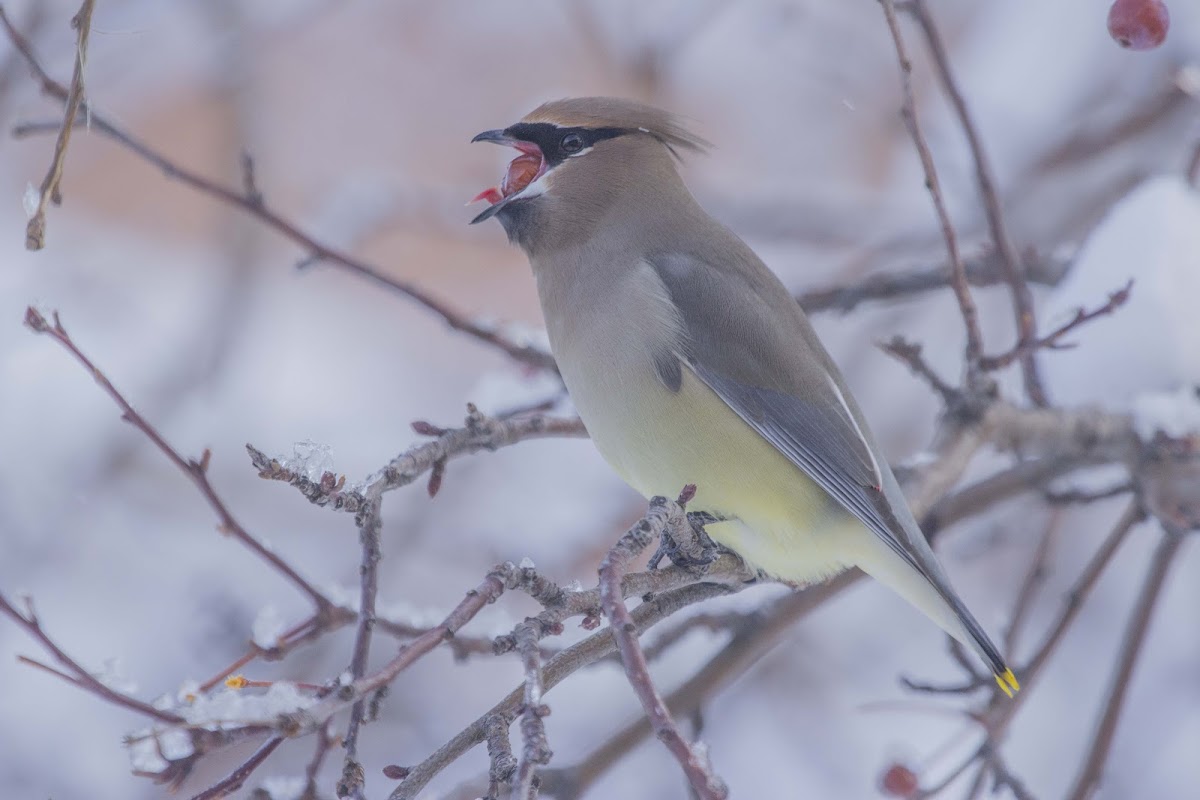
(663, 517)
(1043, 444)
(249, 199)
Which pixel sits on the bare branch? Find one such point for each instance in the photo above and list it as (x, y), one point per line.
(1131, 647)
(1035, 576)
(983, 269)
(909, 354)
(1053, 340)
(35, 230)
(249, 200)
(908, 110)
(757, 634)
(480, 432)
(196, 471)
(77, 674)
(370, 524)
(1009, 259)
(307, 630)
(595, 647)
(231, 784)
(693, 758)
(325, 742)
(536, 751)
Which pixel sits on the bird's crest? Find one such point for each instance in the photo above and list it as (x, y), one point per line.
(615, 112)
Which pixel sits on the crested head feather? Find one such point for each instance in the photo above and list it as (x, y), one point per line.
(616, 112)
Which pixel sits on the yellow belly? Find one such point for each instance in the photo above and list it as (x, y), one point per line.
(659, 441)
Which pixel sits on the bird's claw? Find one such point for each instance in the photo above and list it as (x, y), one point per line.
(695, 552)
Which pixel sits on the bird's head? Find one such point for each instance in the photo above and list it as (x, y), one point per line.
(575, 158)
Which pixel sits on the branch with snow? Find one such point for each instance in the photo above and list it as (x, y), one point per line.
(1157, 446)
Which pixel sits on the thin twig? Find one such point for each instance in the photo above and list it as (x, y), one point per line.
(909, 353)
(1081, 589)
(958, 283)
(1002, 775)
(77, 674)
(234, 781)
(588, 651)
(983, 269)
(996, 719)
(304, 632)
(12, 65)
(249, 200)
(692, 758)
(1092, 772)
(370, 524)
(1022, 298)
(35, 231)
(486, 592)
(535, 752)
(480, 432)
(1035, 576)
(196, 471)
(750, 641)
(1053, 340)
(325, 742)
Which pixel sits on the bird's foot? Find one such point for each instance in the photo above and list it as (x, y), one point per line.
(692, 548)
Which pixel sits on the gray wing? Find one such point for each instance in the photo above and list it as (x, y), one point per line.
(745, 338)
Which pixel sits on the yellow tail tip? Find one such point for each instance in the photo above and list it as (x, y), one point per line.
(1008, 682)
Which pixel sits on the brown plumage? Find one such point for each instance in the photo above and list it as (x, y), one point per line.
(689, 361)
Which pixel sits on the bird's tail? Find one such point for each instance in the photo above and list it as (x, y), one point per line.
(932, 594)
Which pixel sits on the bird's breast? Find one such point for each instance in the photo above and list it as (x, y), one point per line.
(660, 437)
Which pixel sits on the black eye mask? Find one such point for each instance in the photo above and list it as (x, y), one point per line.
(550, 138)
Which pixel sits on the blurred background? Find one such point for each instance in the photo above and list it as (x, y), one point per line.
(358, 116)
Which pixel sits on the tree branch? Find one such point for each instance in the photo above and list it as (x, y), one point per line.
(1053, 340)
(588, 651)
(196, 471)
(958, 282)
(693, 758)
(35, 230)
(249, 200)
(480, 432)
(536, 751)
(370, 524)
(1092, 771)
(982, 269)
(231, 784)
(1009, 259)
(77, 674)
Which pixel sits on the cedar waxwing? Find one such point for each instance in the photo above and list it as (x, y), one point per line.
(690, 363)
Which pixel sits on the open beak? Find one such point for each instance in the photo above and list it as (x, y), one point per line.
(496, 136)
(522, 171)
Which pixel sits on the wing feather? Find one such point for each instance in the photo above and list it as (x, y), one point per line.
(746, 350)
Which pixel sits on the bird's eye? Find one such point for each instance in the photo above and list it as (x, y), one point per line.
(571, 143)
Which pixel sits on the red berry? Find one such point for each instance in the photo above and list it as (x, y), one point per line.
(899, 781)
(1139, 24)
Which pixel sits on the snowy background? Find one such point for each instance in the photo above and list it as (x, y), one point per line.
(358, 115)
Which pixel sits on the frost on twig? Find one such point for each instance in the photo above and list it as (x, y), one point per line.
(479, 433)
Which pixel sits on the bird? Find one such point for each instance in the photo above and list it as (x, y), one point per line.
(690, 363)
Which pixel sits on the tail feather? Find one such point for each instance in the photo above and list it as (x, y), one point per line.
(933, 595)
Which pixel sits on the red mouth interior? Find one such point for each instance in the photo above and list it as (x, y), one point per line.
(522, 171)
